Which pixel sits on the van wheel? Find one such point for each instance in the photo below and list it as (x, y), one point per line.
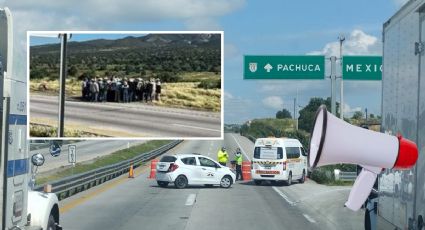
(257, 182)
(180, 182)
(226, 182)
(302, 179)
(289, 181)
(51, 225)
(162, 184)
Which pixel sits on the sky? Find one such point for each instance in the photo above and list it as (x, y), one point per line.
(273, 27)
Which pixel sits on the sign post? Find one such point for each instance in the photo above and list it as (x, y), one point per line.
(72, 154)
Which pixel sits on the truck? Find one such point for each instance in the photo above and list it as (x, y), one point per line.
(401, 194)
(21, 207)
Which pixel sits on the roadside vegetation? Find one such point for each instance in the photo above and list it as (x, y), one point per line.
(284, 126)
(99, 162)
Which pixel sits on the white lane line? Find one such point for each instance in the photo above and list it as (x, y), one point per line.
(196, 127)
(190, 199)
(309, 218)
(283, 196)
(243, 152)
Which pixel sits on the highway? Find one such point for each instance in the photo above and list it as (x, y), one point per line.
(86, 151)
(128, 120)
(139, 203)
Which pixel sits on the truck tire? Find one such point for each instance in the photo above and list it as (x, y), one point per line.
(289, 181)
(302, 179)
(51, 225)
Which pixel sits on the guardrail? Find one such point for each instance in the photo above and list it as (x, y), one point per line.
(345, 176)
(69, 186)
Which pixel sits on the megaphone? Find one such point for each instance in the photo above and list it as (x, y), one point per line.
(334, 141)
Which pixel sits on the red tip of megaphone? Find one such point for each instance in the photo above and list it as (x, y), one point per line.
(407, 154)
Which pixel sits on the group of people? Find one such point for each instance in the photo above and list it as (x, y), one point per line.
(125, 90)
(223, 157)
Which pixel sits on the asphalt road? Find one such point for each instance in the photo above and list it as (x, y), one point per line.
(86, 150)
(140, 204)
(130, 119)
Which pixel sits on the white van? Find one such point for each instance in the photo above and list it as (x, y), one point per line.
(278, 159)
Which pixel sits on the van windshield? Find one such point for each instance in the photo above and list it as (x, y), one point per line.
(270, 153)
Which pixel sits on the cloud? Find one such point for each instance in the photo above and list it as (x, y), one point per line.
(348, 111)
(201, 14)
(357, 43)
(227, 95)
(273, 102)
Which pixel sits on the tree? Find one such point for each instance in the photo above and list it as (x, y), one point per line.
(308, 113)
(357, 115)
(284, 113)
(372, 116)
(72, 71)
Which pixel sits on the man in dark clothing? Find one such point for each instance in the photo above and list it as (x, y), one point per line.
(148, 92)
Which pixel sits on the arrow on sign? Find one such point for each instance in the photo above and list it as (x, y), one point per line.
(268, 67)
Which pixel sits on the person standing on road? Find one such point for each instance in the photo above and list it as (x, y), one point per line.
(125, 89)
(238, 160)
(222, 156)
(94, 89)
(158, 90)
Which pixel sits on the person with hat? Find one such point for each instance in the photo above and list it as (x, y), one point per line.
(238, 161)
(222, 156)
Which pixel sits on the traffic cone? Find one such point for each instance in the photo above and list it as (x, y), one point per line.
(131, 171)
(246, 170)
(153, 169)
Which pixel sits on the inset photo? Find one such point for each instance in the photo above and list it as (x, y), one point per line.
(125, 84)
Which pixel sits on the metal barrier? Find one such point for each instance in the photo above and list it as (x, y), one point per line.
(345, 176)
(71, 185)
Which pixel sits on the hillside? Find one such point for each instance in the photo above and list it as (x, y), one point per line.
(141, 56)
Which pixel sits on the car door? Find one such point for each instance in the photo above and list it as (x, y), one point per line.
(191, 169)
(208, 169)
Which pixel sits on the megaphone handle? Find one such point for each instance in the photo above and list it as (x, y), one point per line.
(361, 189)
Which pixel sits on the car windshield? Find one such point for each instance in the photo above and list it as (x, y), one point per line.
(270, 153)
(168, 159)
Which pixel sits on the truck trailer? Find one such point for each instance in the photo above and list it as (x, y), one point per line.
(21, 208)
(401, 200)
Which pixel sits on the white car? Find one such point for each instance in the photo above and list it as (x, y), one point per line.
(192, 169)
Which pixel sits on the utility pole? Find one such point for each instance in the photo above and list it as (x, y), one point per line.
(341, 39)
(295, 120)
(62, 78)
(333, 84)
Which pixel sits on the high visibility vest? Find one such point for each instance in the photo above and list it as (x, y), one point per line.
(238, 159)
(222, 156)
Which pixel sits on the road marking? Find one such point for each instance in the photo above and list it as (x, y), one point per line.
(309, 218)
(197, 127)
(190, 199)
(243, 152)
(283, 196)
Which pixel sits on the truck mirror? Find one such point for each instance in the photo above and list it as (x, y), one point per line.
(37, 159)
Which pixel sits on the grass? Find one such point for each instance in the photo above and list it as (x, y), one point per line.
(37, 130)
(188, 95)
(99, 162)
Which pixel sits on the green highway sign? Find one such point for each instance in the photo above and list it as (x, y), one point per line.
(284, 67)
(362, 68)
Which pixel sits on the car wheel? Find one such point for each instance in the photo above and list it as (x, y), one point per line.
(289, 181)
(302, 180)
(226, 182)
(180, 182)
(257, 182)
(51, 225)
(162, 184)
